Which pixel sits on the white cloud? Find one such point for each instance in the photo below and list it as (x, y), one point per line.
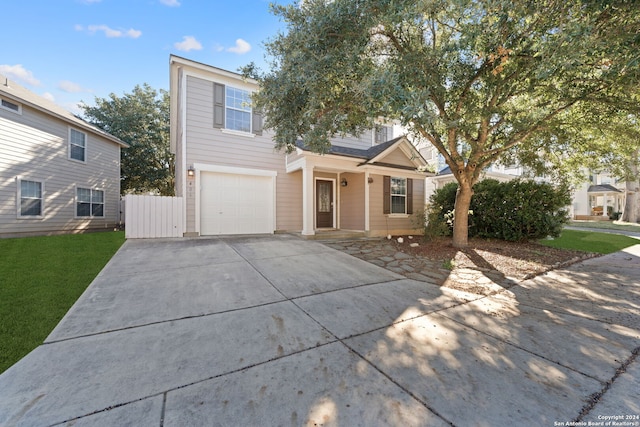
(188, 43)
(110, 32)
(18, 72)
(71, 87)
(49, 96)
(240, 48)
(170, 3)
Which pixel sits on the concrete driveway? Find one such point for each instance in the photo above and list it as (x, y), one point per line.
(275, 331)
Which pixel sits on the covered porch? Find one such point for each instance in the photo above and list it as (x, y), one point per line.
(605, 199)
(346, 189)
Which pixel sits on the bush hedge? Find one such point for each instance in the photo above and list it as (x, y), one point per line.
(516, 210)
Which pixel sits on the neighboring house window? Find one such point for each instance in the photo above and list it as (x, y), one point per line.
(382, 134)
(89, 202)
(30, 196)
(232, 110)
(397, 195)
(77, 145)
(11, 106)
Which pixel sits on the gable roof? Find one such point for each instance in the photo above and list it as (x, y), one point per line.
(372, 154)
(603, 188)
(13, 91)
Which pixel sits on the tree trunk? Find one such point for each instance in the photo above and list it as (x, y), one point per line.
(461, 216)
(631, 211)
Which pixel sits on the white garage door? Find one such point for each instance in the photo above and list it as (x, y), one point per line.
(236, 204)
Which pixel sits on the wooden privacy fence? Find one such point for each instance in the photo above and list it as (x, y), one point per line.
(148, 217)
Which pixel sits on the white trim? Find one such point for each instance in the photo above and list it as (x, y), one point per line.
(182, 131)
(69, 144)
(333, 202)
(237, 132)
(19, 198)
(89, 217)
(405, 195)
(231, 170)
(210, 69)
(205, 167)
(367, 213)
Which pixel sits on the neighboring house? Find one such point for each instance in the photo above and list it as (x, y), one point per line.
(58, 174)
(233, 181)
(444, 175)
(599, 198)
(603, 196)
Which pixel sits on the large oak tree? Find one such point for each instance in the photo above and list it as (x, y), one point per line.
(478, 79)
(141, 119)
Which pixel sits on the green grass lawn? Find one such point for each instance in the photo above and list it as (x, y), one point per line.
(40, 279)
(590, 241)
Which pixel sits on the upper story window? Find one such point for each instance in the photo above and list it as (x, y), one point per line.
(77, 145)
(10, 105)
(89, 202)
(232, 110)
(30, 198)
(238, 110)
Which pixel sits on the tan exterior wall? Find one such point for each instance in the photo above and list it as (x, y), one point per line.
(397, 157)
(381, 224)
(34, 146)
(352, 202)
(208, 145)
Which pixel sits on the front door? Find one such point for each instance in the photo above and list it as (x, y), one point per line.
(324, 204)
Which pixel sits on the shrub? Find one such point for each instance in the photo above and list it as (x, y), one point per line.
(515, 210)
(440, 204)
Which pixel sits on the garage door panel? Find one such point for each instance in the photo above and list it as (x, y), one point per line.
(236, 204)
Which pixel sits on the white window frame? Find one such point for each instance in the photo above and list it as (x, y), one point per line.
(91, 215)
(72, 144)
(4, 100)
(228, 107)
(19, 199)
(391, 194)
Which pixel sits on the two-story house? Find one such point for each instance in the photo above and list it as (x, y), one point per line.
(233, 181)
(58, 174)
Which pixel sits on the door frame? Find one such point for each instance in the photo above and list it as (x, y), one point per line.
(333, 201)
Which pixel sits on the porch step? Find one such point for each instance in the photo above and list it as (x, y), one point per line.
(336, 235)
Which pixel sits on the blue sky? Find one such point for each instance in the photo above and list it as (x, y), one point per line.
(72, 51)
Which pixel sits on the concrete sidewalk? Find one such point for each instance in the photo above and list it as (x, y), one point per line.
(277, 330)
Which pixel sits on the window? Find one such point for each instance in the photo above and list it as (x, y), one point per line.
(89, 203)
(30, 196)
(11, 106)
(397, 196)
(77, 145)
(238, 110)
(232, 110)
(382, 134)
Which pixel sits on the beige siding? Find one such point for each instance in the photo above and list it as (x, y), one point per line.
(34, 146)
(397, 157)
(208, 145)
(381, 224)
(352, 202)
(362, 142)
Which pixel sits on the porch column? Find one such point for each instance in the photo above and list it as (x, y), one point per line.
(367, 226)
(307, 201)
(604, 205)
